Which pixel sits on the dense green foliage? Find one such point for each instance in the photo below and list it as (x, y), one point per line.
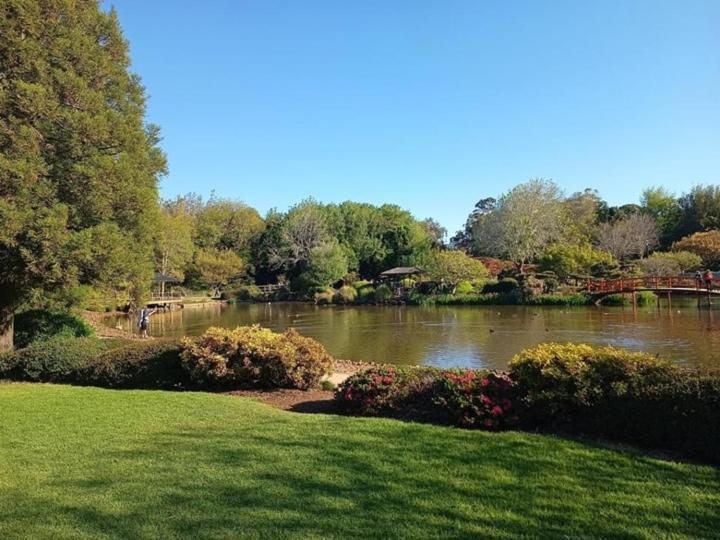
(38, 324)
(671, 263)
(624, 396)
(254, 356)
(642, 298)
(148, 464)
(78, 166)
(452, 267)
(154, 364)
(583, 260)
(561, 380)
(55, 360)
(705, 245)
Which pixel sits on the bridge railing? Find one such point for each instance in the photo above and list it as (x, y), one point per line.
(175, 295)
(619, 285)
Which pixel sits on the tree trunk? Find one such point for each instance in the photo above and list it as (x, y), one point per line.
(7, 317)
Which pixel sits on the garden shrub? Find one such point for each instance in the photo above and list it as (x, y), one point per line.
(360, 285)
(466, 398)
(577, 299)
(255, 356)
(464, 287)
(345, 295)
(249, 293)
(325, 296)
(140, 364)
(642, 298)
(383, 293)
(55, 360)
(560, 382)
(504, 286)
(366, 295)
(681, 416)
(38, 324)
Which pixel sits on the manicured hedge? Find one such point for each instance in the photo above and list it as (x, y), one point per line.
(561, 382)
(603, 392)
(54, 360)
(620, 395)
(459, 397)
(39, 324)
(140, 364)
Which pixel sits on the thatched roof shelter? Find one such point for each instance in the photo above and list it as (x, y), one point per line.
(400, 272)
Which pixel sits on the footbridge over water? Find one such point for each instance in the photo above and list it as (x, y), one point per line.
(660, 285)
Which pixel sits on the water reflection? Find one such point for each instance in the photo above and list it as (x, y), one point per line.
(468, 336)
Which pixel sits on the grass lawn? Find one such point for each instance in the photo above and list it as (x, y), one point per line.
(91, 463)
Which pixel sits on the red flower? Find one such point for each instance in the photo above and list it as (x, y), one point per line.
(496, 410)
(486, 400)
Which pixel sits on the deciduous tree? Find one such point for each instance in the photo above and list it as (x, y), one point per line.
(454, 266)
(632, 236)
(524, 222)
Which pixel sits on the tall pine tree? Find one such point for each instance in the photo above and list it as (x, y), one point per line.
(78, 165)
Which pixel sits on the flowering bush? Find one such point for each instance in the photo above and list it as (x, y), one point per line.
(477, 399)
(255, 356)
(466, 398)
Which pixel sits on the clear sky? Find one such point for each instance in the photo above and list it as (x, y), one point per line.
(429, 104)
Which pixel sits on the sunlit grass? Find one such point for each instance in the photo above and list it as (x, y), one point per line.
(91, 463)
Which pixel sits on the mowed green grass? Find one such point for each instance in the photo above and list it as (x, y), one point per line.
(91, 463)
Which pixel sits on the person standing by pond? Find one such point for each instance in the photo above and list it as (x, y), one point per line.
(708, 278)
(144, 321)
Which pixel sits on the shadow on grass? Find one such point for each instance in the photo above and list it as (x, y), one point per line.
(324, 476)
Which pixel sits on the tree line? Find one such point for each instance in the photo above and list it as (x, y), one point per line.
(536, 222)
(80, 210)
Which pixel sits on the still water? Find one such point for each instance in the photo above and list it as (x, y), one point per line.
(467, 336)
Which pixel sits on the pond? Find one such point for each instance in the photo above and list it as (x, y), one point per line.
(466, 336)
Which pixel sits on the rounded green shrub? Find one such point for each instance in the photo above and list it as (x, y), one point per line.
(360, 285)
(254, 356)
(383, 293)
(39, 324)
(345, 295)
(248, 293)
(464, 287)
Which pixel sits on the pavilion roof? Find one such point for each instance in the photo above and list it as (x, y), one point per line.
(401, 271)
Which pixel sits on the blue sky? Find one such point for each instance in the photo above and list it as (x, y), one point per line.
(428, 104)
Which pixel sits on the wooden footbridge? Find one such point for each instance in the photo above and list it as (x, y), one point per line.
(176, 298)
(660, 285)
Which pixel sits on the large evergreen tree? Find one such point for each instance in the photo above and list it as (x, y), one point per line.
(76, 158)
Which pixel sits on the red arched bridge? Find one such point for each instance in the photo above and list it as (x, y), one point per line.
(681, 285)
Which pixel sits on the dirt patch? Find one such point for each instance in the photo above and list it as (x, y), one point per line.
(303, 401)
(307, 401)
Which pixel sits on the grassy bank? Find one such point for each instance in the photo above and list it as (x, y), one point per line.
(82, 462)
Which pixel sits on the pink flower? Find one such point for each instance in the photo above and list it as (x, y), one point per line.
(486, 400)
(496, 410)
